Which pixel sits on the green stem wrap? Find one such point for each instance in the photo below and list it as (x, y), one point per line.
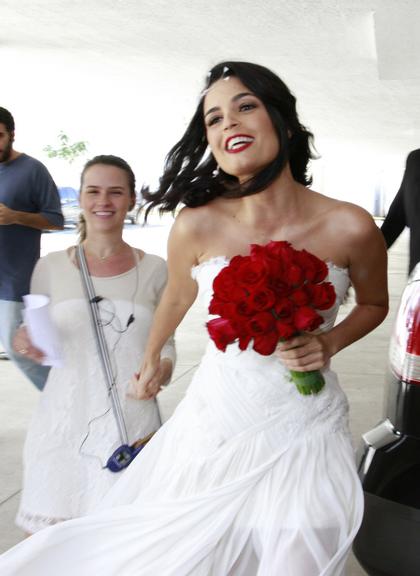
(308, 382)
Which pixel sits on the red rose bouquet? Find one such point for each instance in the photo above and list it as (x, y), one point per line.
(271, 295)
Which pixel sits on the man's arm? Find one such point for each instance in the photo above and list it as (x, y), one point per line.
(395, 220)
(31, 219)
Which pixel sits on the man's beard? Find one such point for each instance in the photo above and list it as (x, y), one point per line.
(7, 152)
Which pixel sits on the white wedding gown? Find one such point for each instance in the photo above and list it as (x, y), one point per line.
(247, 478)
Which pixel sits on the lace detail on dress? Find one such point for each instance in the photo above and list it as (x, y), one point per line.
(209, 262)
(333, 266)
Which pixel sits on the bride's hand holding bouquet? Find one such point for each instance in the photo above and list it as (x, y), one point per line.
(305, 352)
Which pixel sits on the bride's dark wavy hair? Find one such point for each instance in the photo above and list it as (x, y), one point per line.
(191, 175)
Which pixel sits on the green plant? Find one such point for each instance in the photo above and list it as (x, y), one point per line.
(65, 150)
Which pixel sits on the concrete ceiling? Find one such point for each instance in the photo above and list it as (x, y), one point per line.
(125, 74)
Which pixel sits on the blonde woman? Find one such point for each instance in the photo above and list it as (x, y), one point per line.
(73, 431)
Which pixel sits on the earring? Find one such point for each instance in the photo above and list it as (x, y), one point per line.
(216, 171)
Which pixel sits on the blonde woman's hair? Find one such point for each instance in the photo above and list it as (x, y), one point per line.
(81, 228)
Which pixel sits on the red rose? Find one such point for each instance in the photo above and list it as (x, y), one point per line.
(306, 319)
(221, 332)
(300, 297)
(262, 299)
(321, 269)
(236, 261)
(230, 311)
(245, 308)
(314, 269)
(251, 273)
(294, 275)
(281, 250)
(224, 284)
(275, 269)
(261, 323)
(244, 340)
(238, 294)
(244, 335)
(237, 312)
(222, 308)
(216, 305)
(240, 325)
(278, 286)
(274, 264)
(279, 257)
(265, 344)
(322, 295)
(257, 252)
(284, 309)
(285, 330)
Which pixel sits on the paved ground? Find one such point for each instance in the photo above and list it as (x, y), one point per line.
(361, 368)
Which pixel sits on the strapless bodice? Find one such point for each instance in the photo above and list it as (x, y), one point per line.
(205, 272)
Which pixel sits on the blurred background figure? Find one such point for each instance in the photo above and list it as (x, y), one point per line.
(73, 431)
(29, 203)
(405, 209)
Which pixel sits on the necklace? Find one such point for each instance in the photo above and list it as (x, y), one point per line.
(103, 258)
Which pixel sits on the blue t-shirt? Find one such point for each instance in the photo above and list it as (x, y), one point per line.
(27, 186)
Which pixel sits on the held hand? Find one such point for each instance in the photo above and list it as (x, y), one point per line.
(148, 383)
(304, 352)
(23, 346)
(7, 215)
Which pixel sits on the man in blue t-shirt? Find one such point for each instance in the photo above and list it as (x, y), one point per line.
(29, 203)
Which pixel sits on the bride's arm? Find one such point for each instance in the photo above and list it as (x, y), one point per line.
(367, 261)
(178, 296)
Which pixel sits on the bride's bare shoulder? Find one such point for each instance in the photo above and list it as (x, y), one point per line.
(199, 221)
(344, 215)
(191, 233)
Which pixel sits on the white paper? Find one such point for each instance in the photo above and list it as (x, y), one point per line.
(41, 329)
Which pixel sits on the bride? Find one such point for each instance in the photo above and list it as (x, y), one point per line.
(248, 477)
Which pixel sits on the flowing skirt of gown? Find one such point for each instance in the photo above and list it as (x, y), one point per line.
(247, 478)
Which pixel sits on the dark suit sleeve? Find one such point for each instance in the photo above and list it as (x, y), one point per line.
(395, 220)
